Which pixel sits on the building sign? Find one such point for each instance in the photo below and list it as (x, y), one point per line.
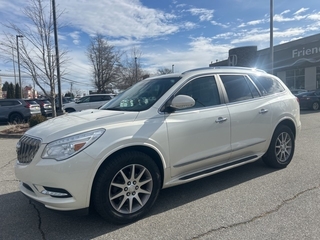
(303, 52)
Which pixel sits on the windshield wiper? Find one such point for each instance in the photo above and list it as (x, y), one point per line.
(114, 108)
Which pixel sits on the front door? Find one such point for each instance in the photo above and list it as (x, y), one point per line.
(199, 137)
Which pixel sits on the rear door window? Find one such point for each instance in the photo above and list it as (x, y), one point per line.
(239, 88)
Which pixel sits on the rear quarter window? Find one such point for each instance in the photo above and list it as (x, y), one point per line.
(267, 85)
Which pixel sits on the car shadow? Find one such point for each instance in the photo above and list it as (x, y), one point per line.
(306, 111)
(35, 221)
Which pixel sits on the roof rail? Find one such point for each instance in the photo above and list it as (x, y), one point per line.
(224, 67)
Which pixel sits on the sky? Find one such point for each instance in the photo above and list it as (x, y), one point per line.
(178, 34)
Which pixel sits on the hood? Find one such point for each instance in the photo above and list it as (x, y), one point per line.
(72, 123)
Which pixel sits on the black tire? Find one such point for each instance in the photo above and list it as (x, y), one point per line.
(315, 106)
(120, 197)
(16, 118)
(70, 110)
(281, 148)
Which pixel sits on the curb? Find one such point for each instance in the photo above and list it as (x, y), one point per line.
(14, 136)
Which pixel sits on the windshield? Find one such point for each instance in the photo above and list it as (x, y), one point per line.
(142, 95)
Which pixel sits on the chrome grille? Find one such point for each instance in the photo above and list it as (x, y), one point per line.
(27, 148)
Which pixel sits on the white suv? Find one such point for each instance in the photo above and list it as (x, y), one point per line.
(163, 131)
(88, 102)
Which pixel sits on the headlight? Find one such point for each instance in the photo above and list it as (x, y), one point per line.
(66, 147)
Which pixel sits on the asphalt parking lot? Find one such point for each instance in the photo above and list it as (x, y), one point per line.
(250, 202)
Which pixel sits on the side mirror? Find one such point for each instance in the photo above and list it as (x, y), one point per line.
(182, 101)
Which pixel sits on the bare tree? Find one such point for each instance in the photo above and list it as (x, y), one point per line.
(36, 47)
(163, 71)
(131, 71)
(105, 61)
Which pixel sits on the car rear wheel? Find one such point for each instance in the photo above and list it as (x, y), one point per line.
(16, 118)
(70, 110)
(281, 148)
(126, 187)
(315, 106)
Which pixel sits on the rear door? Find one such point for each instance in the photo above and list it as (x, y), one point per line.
(250, 114)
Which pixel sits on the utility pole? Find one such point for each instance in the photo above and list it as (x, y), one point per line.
(136, 66)
(71, 85)
(60, 111)
(17, 40)
(14, 68)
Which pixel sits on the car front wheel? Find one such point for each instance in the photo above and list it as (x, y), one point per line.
(281, 148)
(315, 106)
(126, 187)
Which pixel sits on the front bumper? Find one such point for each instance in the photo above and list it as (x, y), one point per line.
(47, 181)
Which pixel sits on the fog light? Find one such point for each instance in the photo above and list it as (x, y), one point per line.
(53, 192)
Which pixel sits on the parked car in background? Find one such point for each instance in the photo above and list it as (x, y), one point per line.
(64, 101)
(93, 101)
(18, 110)
(69, 99)
(163, 131)
(298, 91)
(309, 100)
(45, 106)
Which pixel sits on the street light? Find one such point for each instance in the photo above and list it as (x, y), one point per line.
(19, 36)
(271, 37)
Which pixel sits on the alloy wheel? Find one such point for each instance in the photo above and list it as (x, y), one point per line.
(130, 189)
(283, 147)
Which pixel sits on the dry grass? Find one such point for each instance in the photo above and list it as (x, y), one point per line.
(16, 128)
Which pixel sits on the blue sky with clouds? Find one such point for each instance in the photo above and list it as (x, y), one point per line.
(186, 33)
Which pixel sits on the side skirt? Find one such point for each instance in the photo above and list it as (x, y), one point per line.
(219, 168)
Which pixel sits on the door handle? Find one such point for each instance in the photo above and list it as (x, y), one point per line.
(262, 111)
(221, 119)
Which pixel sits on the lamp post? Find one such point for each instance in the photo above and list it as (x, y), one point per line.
(271, 36)
(17, 40)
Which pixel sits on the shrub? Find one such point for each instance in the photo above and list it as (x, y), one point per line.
(36, 119)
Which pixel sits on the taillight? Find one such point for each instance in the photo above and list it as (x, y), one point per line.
(28, 105)
(298, 100)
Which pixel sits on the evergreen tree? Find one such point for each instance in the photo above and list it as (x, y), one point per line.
(17, 93)
(10, 91)
(5, 86)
